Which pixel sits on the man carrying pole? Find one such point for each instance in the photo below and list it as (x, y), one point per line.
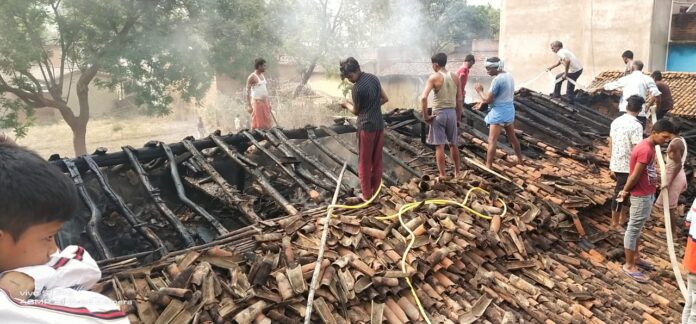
(572, 69)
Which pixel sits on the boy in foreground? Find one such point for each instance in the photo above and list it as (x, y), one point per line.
(38, 283)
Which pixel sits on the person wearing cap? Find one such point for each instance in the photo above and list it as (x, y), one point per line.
(572, 69)
(502, 109)
(447, 112)
(368, 98)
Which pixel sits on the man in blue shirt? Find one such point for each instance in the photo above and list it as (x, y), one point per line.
(502, 110)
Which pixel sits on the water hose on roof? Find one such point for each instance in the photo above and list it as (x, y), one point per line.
(668, 221)
(411, 235)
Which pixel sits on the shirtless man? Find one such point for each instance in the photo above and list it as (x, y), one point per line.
(257, 97)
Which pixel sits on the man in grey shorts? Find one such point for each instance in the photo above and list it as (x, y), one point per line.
(447, 112)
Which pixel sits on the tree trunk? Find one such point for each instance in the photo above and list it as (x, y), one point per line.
(305, 77)
(79, 130)
(79, 125)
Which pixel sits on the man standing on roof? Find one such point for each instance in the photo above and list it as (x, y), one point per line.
(368, 97)
(641, 186)
(625, 133)
(664, 101)
(257, 97)
(463, 74)
(627, 57)
(502, 108)
(635, 83)
(676, 177)
(572, 69)
(447, 112)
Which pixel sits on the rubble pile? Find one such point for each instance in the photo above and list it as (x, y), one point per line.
(226, 229)
(464, 268)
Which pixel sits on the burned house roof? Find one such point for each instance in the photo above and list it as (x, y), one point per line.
(241, 240)
(682, 85)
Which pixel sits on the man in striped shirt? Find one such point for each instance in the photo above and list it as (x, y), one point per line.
(368, 97)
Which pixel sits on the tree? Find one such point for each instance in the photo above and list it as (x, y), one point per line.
(318, 32)
(153, 49)
(442, 25)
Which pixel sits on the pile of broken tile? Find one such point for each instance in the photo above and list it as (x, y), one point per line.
(464, 268)
(551, 259)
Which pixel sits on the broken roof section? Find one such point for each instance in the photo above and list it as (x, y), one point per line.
(553, 256)
(682, 84)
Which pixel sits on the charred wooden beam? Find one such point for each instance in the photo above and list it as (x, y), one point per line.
(550, 123)
(348, 146)
(245, 206)
(386, 152)
(124, 210)
(291, 173)
(289, 154)
(353, 169)
(147, 154)
(257, 174)
(181, 192)
(154, 194)
(95, 213)
(321, 167)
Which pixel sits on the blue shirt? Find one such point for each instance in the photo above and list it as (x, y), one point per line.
(502, 109)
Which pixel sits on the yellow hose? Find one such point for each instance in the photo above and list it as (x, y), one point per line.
(412, 236)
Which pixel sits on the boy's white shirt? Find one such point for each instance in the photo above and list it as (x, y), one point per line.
(60, 294)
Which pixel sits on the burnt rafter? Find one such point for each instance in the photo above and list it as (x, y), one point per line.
(181, 192)
(95, 214)
(232, 196)
(286, 148)
(124, 210)
(154, 194)
(256, 173)
(287, 170)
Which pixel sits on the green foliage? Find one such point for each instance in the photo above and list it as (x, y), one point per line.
(434, 25)
(154, 50)
(346, 87)
(15, 114)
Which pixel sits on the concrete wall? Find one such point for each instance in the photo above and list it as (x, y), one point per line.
(659, 36)
(597, 31)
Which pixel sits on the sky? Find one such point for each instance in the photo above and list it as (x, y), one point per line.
(494, 3)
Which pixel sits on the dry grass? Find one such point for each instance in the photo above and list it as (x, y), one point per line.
(111, 133)
(217, 113)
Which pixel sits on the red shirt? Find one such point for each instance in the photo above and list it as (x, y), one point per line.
(690, 252)
(644, 153)
(463, 73)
